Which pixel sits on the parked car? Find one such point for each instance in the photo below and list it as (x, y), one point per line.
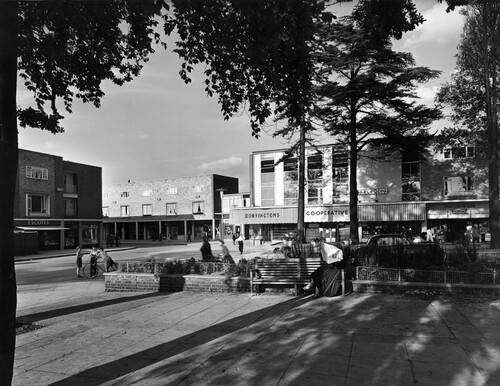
(397, 251)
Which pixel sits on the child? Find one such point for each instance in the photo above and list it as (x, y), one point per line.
(79, 255)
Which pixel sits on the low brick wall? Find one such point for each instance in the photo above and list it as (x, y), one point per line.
(149, 282)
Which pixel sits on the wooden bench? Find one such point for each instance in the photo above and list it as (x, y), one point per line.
(283, 272)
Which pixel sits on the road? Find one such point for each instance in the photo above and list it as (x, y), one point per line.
(63, 269)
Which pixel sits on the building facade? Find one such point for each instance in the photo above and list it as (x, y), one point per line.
(231, 202)
(60, 200)
(183, 208)
(396, 193)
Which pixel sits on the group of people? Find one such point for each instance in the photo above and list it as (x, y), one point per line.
(95, 254)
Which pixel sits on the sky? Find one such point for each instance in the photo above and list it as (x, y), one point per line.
(158, 127)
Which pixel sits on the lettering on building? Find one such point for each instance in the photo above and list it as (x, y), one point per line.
(38, 222)
(373, 191)
(262, 215)
(327, 213)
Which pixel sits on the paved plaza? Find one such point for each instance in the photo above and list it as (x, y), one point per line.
(92, 337)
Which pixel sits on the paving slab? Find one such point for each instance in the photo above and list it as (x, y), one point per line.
(182, 338)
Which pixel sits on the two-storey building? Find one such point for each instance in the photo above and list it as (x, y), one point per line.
(396, 193)
(181, 208)
(60, 200)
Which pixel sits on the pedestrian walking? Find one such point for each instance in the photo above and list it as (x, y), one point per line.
(206, 251)
(240, 243)
(234, 238)
(79, 262)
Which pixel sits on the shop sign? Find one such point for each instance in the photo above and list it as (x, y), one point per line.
(38, 222)
(326, 214)
(457, 210)
(373, 191)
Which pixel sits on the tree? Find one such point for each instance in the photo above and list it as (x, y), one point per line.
(473, 96)
(63, 51)
(366, 95)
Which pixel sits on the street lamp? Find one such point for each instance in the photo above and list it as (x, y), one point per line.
(221, 224)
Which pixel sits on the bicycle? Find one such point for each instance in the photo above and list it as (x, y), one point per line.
(92, 270)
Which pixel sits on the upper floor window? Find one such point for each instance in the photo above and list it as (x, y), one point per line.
(124, 194)
(198, 207)
(459, 152)
(458, 186)
(315, 168)
(199, 188)
(410, 178)
(172, 208)
(37, 173)
(70, 207)
(172, 190)
(267, 166)
(147, 210)
(70, 183)
(147, 192)
(105, 211)
(124, 211)
(37, 205)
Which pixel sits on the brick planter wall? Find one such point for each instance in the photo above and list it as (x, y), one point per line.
(148, 282)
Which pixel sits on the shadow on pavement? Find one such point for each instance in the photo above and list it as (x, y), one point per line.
(35, 317)
(121, 367)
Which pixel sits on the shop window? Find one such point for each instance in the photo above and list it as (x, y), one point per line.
(459, 152)
(147, 209)
(124, 211)
(198, 207)
(171, 208)
(37, 173)
(37, 205)
(458, 186)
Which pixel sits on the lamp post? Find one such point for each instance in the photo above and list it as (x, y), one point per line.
(221, 224)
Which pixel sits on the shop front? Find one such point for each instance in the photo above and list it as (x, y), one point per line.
(453, 218)
(50, 233)
(402, 218)
(278, 223)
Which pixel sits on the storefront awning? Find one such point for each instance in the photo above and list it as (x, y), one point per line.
(46, 228)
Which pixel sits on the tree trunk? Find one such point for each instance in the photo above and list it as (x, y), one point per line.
(302, 178)
(353, 186)
(8, 160)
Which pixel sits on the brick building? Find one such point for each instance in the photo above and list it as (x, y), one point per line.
(173, 208)
(60, 200)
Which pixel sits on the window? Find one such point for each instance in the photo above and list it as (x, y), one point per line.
(70, 183)
(459, 152)
(124, 211)
(291, 181)
(199, 188)
(267, 179)
(147, 193)
(147, 210)
(70, 205)
(340, 175)
(458, 186)
(410, 178)
(198, 207)
(105, 211)
(172, 208)
(37, 205)
(172, 190)
(124, 194)
(315, 168)
(37, 173)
